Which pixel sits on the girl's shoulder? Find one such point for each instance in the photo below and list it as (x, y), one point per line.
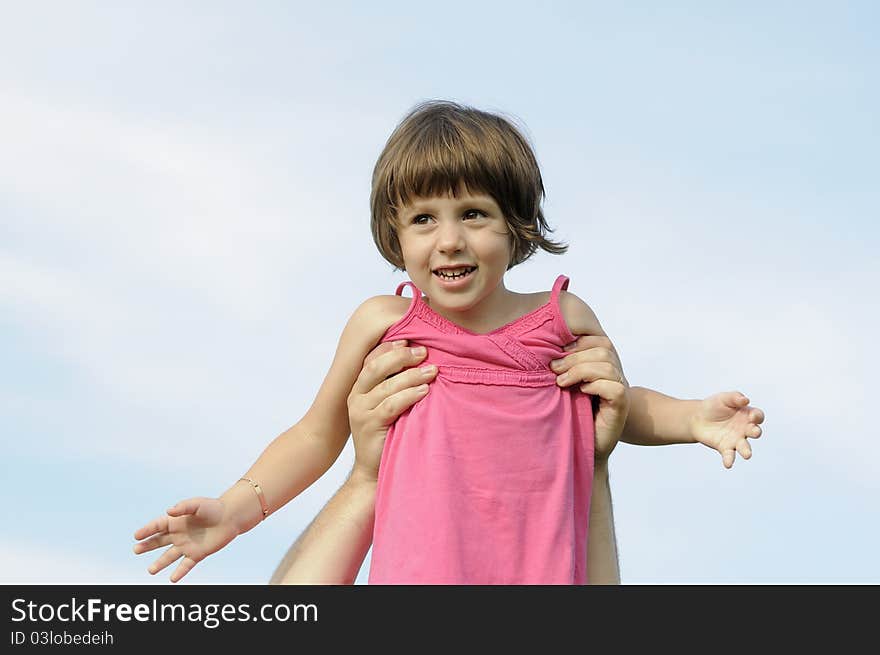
(578, 315)
(379, 313)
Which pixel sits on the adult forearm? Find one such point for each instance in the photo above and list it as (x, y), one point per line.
(332, 549)
(656, 419)
(602, 562)
(289, 464)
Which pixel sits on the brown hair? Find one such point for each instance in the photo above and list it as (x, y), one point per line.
(441, 145)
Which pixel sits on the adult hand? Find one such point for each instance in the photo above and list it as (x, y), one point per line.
(380, 394)
(592, 362)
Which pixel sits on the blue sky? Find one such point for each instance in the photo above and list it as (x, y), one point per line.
(184, 232)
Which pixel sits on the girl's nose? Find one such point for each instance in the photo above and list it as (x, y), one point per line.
(450, 237)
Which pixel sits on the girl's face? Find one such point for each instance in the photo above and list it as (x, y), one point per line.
(456, 250)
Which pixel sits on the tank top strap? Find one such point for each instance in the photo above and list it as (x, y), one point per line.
(560, 325)
(417, 293)
(416, 304)
(416, 307)
(561, 284)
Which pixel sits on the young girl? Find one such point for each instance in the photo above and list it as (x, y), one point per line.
(487, 479)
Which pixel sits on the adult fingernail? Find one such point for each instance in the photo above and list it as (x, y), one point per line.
(555, 364)
(418, 351)
(398, 344)
(428, 370)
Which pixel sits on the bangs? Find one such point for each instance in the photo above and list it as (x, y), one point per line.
(440, 160)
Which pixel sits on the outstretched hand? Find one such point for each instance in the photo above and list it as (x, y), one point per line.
(725, 422)
(194, 528)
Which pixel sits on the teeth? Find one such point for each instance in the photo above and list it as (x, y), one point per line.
(459, 273)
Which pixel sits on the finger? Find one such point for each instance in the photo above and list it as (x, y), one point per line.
(395, 405)
(185, 507)
(152, 543)
(756, 416)
(590, 372)
(412, 377)
(383, 348)
(613, 392)
(744, 449)
(186, 565)
(168, 557)
(156, 526)
(385, 365)
(597, 354)
(733, 399)
(728, 457)
(753, 431)
(586, 341)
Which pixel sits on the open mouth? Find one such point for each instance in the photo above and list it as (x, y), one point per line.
(454, 273)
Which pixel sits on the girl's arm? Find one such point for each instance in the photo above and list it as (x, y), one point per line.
(332, 549)
(658, 420)
(301, 454)
(198, 527)
(723, 421)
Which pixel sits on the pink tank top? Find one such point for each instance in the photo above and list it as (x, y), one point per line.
(487, 479)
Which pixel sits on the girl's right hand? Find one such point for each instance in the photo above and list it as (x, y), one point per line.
(194, 528)
(380, 394)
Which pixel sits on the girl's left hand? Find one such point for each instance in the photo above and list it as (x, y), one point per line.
(593, 363)
(725, 422)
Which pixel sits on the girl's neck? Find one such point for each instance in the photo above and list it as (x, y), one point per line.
(495, 310)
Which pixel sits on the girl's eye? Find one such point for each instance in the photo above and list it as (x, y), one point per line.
(422, 219)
